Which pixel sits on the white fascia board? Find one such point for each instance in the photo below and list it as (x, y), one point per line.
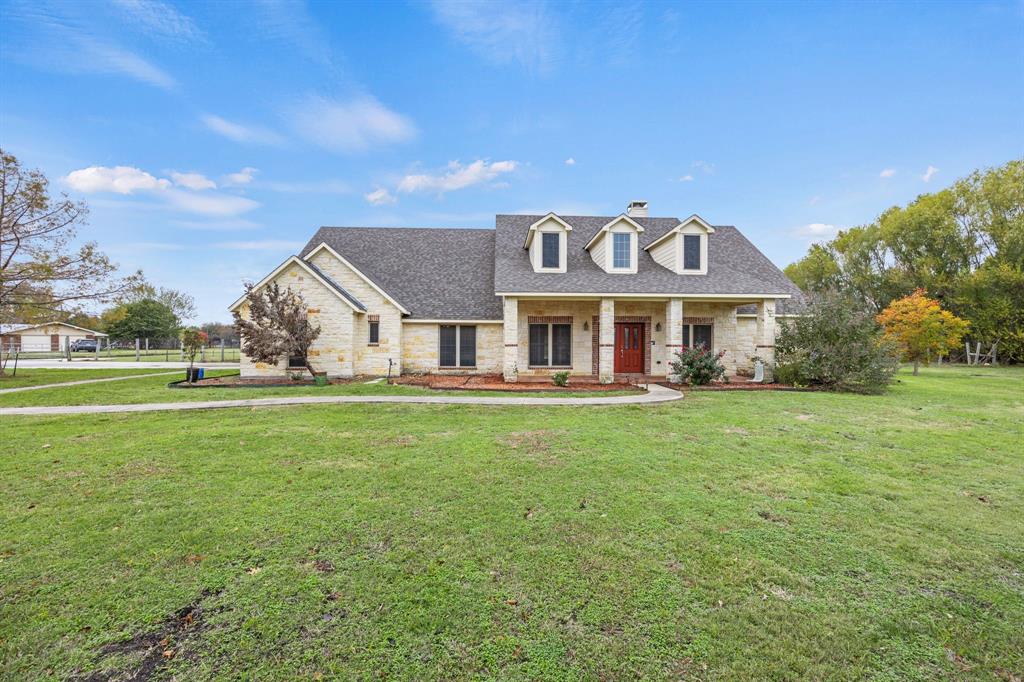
(389, 297)
(652, 295)
(409, 320)
(622, 217)
(675, 230)
(302, 264)
(533, 227)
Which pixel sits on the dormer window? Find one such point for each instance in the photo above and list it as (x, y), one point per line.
(691, 252)
(621, 253)
(550, 250)
(546, 241)
(614, 246)
(684, 248)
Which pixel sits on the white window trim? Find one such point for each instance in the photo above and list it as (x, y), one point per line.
(458, 347)
(631, 268)
(681, 254)
(551, 345)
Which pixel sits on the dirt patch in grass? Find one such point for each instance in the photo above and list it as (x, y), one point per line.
(148, 653)
(495, 382)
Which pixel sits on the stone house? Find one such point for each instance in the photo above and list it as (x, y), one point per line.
(596, 296)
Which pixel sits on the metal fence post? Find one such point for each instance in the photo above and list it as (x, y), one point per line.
(222, 350)
(181, 348)
(136, 349)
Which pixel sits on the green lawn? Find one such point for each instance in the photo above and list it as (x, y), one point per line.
(154, 390)
(772, 535)
(40, 377)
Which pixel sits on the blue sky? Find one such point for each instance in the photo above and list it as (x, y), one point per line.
(211, 140)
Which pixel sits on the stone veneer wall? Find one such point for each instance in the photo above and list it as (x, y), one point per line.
(332, 351)
(366, 359)
(579, 311)
(420, 342)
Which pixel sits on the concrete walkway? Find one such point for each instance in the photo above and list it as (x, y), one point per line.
(655, 394)
(40, 387)
(118, 364)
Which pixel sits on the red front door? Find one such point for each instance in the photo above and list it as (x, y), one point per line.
(629, 348)
(54, 342)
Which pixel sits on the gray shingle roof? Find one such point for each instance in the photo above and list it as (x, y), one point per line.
(435, 273)
(453, 273)
(735, 266)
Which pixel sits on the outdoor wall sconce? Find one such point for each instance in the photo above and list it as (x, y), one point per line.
(657, 327)
(586, 326)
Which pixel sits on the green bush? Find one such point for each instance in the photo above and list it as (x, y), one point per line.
(560, 378)
(698, 366)
(835, 344)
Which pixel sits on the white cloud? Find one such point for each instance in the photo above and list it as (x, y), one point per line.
(704, 167)
(111, 59)
(816, 232)
(381, 197)
(456, 177)
(209, 204)
(242, 177)
(160, 19)
(570, 161)
(119, 179)
(196, 181)
(314, 187)
(929, 174)
(887, 173)
(261, 245)
(352, 126)
(129, 180)
(686, 178)
(503, 32)
(249, 134)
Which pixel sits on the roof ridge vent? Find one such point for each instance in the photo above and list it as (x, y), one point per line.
(637, 209)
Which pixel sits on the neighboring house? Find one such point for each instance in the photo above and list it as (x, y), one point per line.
(595, 296)
(48, 336)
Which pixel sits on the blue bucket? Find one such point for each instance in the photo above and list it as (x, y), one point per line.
(201, 372)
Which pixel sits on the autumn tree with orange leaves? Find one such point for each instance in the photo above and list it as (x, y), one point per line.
(921, 328)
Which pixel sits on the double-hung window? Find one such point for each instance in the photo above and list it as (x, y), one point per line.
(550, 256)
(697, 336)
(457, 346)
(691, 252)
(550, 345)
(621, 256)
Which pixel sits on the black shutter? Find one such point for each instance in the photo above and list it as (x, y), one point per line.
(447, 347)
(549, 247)
(561, 345)
(691, 252)
(686, 336)
(467, 346)
(538, 344)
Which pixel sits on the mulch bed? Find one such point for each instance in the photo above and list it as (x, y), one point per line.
(494, 382)
(733, 386)
(236, 381)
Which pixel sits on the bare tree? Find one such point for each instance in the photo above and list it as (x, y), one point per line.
(40, 268)
(277, 325)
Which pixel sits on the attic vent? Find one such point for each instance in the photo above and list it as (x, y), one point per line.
(637, 209)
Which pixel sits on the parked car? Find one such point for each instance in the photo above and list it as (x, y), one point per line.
(85, 346)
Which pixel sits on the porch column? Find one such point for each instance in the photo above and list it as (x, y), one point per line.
(673, 332)
(764, 337)
(606, 354)
(510, 334)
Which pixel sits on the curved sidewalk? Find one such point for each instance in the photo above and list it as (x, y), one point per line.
(655, 394)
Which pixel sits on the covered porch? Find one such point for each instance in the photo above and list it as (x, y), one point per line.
(628, 337)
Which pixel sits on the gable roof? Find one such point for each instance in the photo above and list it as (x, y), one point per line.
(317, 274)
(20, 327)
(622, 218)
(435, 273)
(735, 266)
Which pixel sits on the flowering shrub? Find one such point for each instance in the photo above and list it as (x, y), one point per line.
(560, 378)
(698, 366)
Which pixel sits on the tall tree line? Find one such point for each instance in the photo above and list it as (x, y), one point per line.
(964, 245)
